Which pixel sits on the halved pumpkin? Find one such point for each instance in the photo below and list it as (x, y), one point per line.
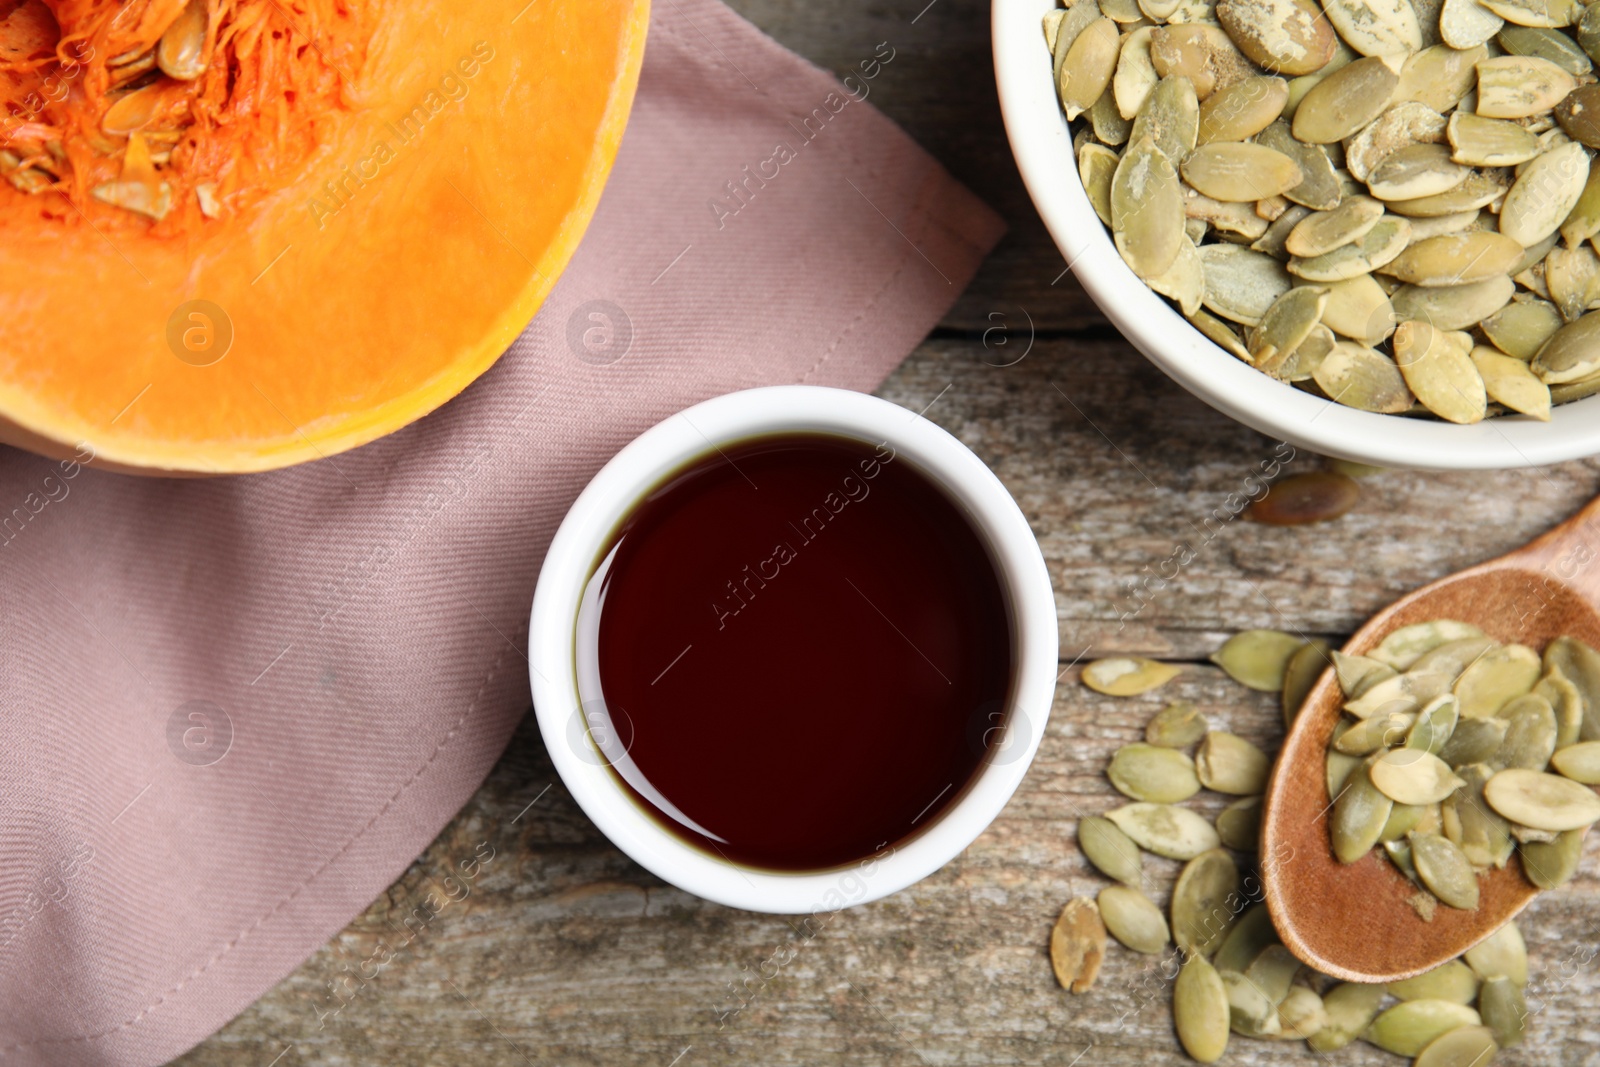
(240, 234)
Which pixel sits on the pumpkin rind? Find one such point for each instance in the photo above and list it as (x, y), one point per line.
(363, 293)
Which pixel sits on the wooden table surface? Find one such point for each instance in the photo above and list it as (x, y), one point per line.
(565, 952)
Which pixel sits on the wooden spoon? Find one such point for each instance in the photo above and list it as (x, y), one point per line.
(1355, 921)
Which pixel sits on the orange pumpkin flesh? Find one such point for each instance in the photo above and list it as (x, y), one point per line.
(396, 185)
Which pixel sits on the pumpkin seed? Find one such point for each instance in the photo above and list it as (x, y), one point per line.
(1567, 703)
(1087, 67)
(1542, 801)
(1467, 23)
(1518, 87)
(1289, 37)
(1452, 980)
(1110, 850)
(1128, 677)
(1205, 902)
(1480, 189)
(1584, 222)
(1549, 44)
(1359, 815)
(1347, 100)
(141, 198)
(1453, 657)
(1467, 1046)
(1413, 776)
(1273, 972)
(1376, 27)
(1301, 1014)
(1359, 309)
(1435, 723)
(1239, 824)
(1530, 734)
(1272, 241)
(1184, 281)
(210, 205)
(1408, 1027)
(1247, 938)
(1078, 943)
(1403, 818)
(1473, 741)
(1243, 109)
(1351, 671)
(1573, 277)
(1158, 10)
(1470, 824)
(1241, 284)
(1416, 171)
(1300, 365)
(1150, 772)
(1219, 333)
(1135, 75)
(1107, 122)
(1201, 1010)
(1502, 953)
(1178, 725)
(1096, 166)
(1257, 658)
(181, 51)
(1566, 394)
(1522, 327)
(1350, 1008)
(1362, 378)
(1234, 217)
(1402, 126)
(1438, 77)
(1504, 1011)
(1578, 664)
(1132, 919)
(1540, 13)
(1545, 193)
(1399, 853)
(1509, 382)
(1572, 354)
(1455, 259)
(1580, 762)
(1589, 32)
(1305, 667)
(1440, 375)
(1251, 1012)
(1337, 770)
(1227, 763)
(1378, 732)
(1495, 678)
(1170, 831)
(1202, 53)
(1327, 230)
(1402, 694)
(1453, 307)
(1079, 17)
(1549, 864)
(1378, 247)
(1233, 172)
(1439, 225)
(1170, 117)
(1052, 26)
(1579, 115)
(1319, 184)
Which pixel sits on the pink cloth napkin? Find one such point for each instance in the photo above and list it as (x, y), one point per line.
(233, 710)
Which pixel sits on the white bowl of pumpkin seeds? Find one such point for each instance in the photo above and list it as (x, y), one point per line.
(1325, 220)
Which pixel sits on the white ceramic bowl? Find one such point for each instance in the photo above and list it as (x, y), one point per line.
(1042, 144)
(685, 437)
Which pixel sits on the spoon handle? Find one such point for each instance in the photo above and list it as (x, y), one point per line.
(1569, 555)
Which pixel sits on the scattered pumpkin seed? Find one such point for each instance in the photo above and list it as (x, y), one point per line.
(1247, 938)
(1580, 762)
(1435, 723)
(1522, 327)
(1132, 919)
(1301, 1014)
(1319, 187)
(1306, 497)
(1404, 125)
(1178, 725)
(1473, 741)
(1542, 801)
(1413, 776)
(1494, 679)
(1227, 763)
(1453, 307)
(1242, 110)
(1567, 703)
(1549, 864)
(1128, 677)
(1325, 231)
(1501, 953)
(1251, 1012)
(1504, 1011)
(1170, 117)
(1170, 831)
(1466, 1046)
(1456, 259)
(1078, 945)
(1150, 772)
(1530, 733)
(1467, 23)
(1241, 284)
(1201, 1010)
(1416, 171)
(1239, 824)
(1546, 43)
(1202, 53)
(1374, 249)
(1579, 115)
(1452, 980)
(1111, 851)
(1258, 658)
(1445, 870)
(1351, 1008)
(1205, 902)
(1545, 194)
(1408, 1027)
(1305, 667)
(1403, 694)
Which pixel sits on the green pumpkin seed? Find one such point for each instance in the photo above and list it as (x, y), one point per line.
(1376, 248)
(1184, 281)
(1291, 319)
(1132, 919)
(1402, 694)
(1338, 769)
(1438, 373)
(1453, 657)
(1481, 188)
(1305, 667)
(1416, 171)
(1087, 67)
(1467, 1046)
(1402, 126)
(1239, 824)
(1504, 1011)
(1110, 850)
(1403, 818)
(1584, 222)
(1128, 677)
(1239, 218)
(1219, 333)
(1548, 44)
(1495, 679)
(1248, 938)
(1271, 242)
(1517, 87)
(1408, 1027)
(1170, 117)
(1170, 831)
(1580, 762)
(1202, 53)
(1258, 658)
(1470, 824)
(1240, 171)
(1359, 309)
(1467, 23)
(1399, 853)
(1319, 187)
(1509, 382)
(1359, 816)
(1545, 194)
(1530, 733)
(1473, 741)
(1580, 665)
(1577, 115)
(1573, 277)
(1522, 327)
(1549, 864)
(1242, 110)
(1290, 37)
(1205, 902)
(1096, 165)
(1445, 870)
(1413, 776)
(1350, 1008)
(1240, 284)
(1107, 122)
(1251, 1012)
(1150, 772)
(1362, 378)
(1201, 1010)
(1147, 210)
(1378, 732)
(1567, 703)
(1376, 27)
(1589, 32)
(1501, 953)
(1540, 13)
(1438, 77)
(1301, 1014)
(1078, 945)
(1453, 981)
(1454, 307)
(1135, 74)
(1456, 259)
(1273, 972)
(1356, 673)
(1542, 801)
(1052, 26)
(1347, 100)
(1178, 725)
(1230, 764)
(1435, 723)
(1482, 142)
(1572, 354)
(1325, 231)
